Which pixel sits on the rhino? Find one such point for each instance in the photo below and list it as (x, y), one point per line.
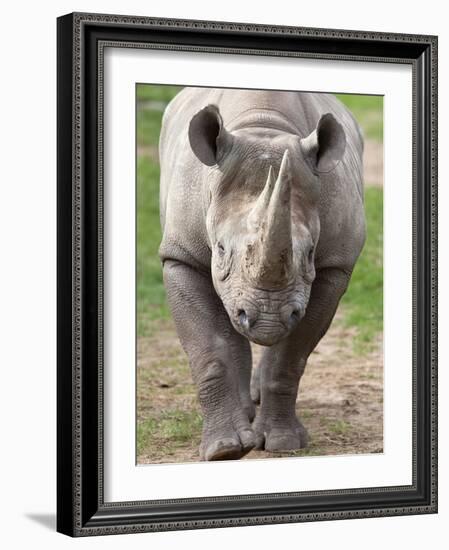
(262, 215)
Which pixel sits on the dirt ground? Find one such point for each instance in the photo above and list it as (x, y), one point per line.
(340, 399)
(373, 168)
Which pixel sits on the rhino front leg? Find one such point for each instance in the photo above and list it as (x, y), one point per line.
(241, 351)
(276, 426)
(214, 350)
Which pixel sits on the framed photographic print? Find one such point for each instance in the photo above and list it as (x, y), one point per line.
(247, 282)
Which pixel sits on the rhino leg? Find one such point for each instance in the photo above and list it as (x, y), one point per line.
(276, 426)
(255, 385)
(241, 353)
(214, 349)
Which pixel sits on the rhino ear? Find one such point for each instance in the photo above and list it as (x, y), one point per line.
(325, 146)
(208, 138)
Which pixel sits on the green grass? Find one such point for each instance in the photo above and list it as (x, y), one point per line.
(148, 126)
(165, 94)
(145, 433)
(171, 429)
(339, 427)
(151, 101)
(368, 110)
(151, 298)
(362, 303)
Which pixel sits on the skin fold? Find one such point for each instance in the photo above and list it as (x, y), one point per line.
(261, 204)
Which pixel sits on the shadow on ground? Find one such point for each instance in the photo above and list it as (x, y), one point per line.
(46, 520)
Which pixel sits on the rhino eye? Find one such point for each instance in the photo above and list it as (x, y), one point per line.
(220, 248)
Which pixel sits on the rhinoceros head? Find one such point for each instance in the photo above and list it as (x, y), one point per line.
(262, 190)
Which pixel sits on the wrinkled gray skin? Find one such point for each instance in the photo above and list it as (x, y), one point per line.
(261, 204)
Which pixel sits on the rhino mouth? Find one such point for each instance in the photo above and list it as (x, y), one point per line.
(267, 328)
(266, 336)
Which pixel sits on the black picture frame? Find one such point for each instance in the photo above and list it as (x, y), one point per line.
(81, 509)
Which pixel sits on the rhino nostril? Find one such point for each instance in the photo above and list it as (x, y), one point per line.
(294, 318)
(243, 319)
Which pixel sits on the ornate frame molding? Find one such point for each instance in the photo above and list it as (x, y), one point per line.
(81, 509)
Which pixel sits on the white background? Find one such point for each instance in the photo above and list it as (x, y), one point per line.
(27, 229)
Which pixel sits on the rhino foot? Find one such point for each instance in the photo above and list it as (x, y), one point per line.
(229, 446)
(277, 437)
(227, 435)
